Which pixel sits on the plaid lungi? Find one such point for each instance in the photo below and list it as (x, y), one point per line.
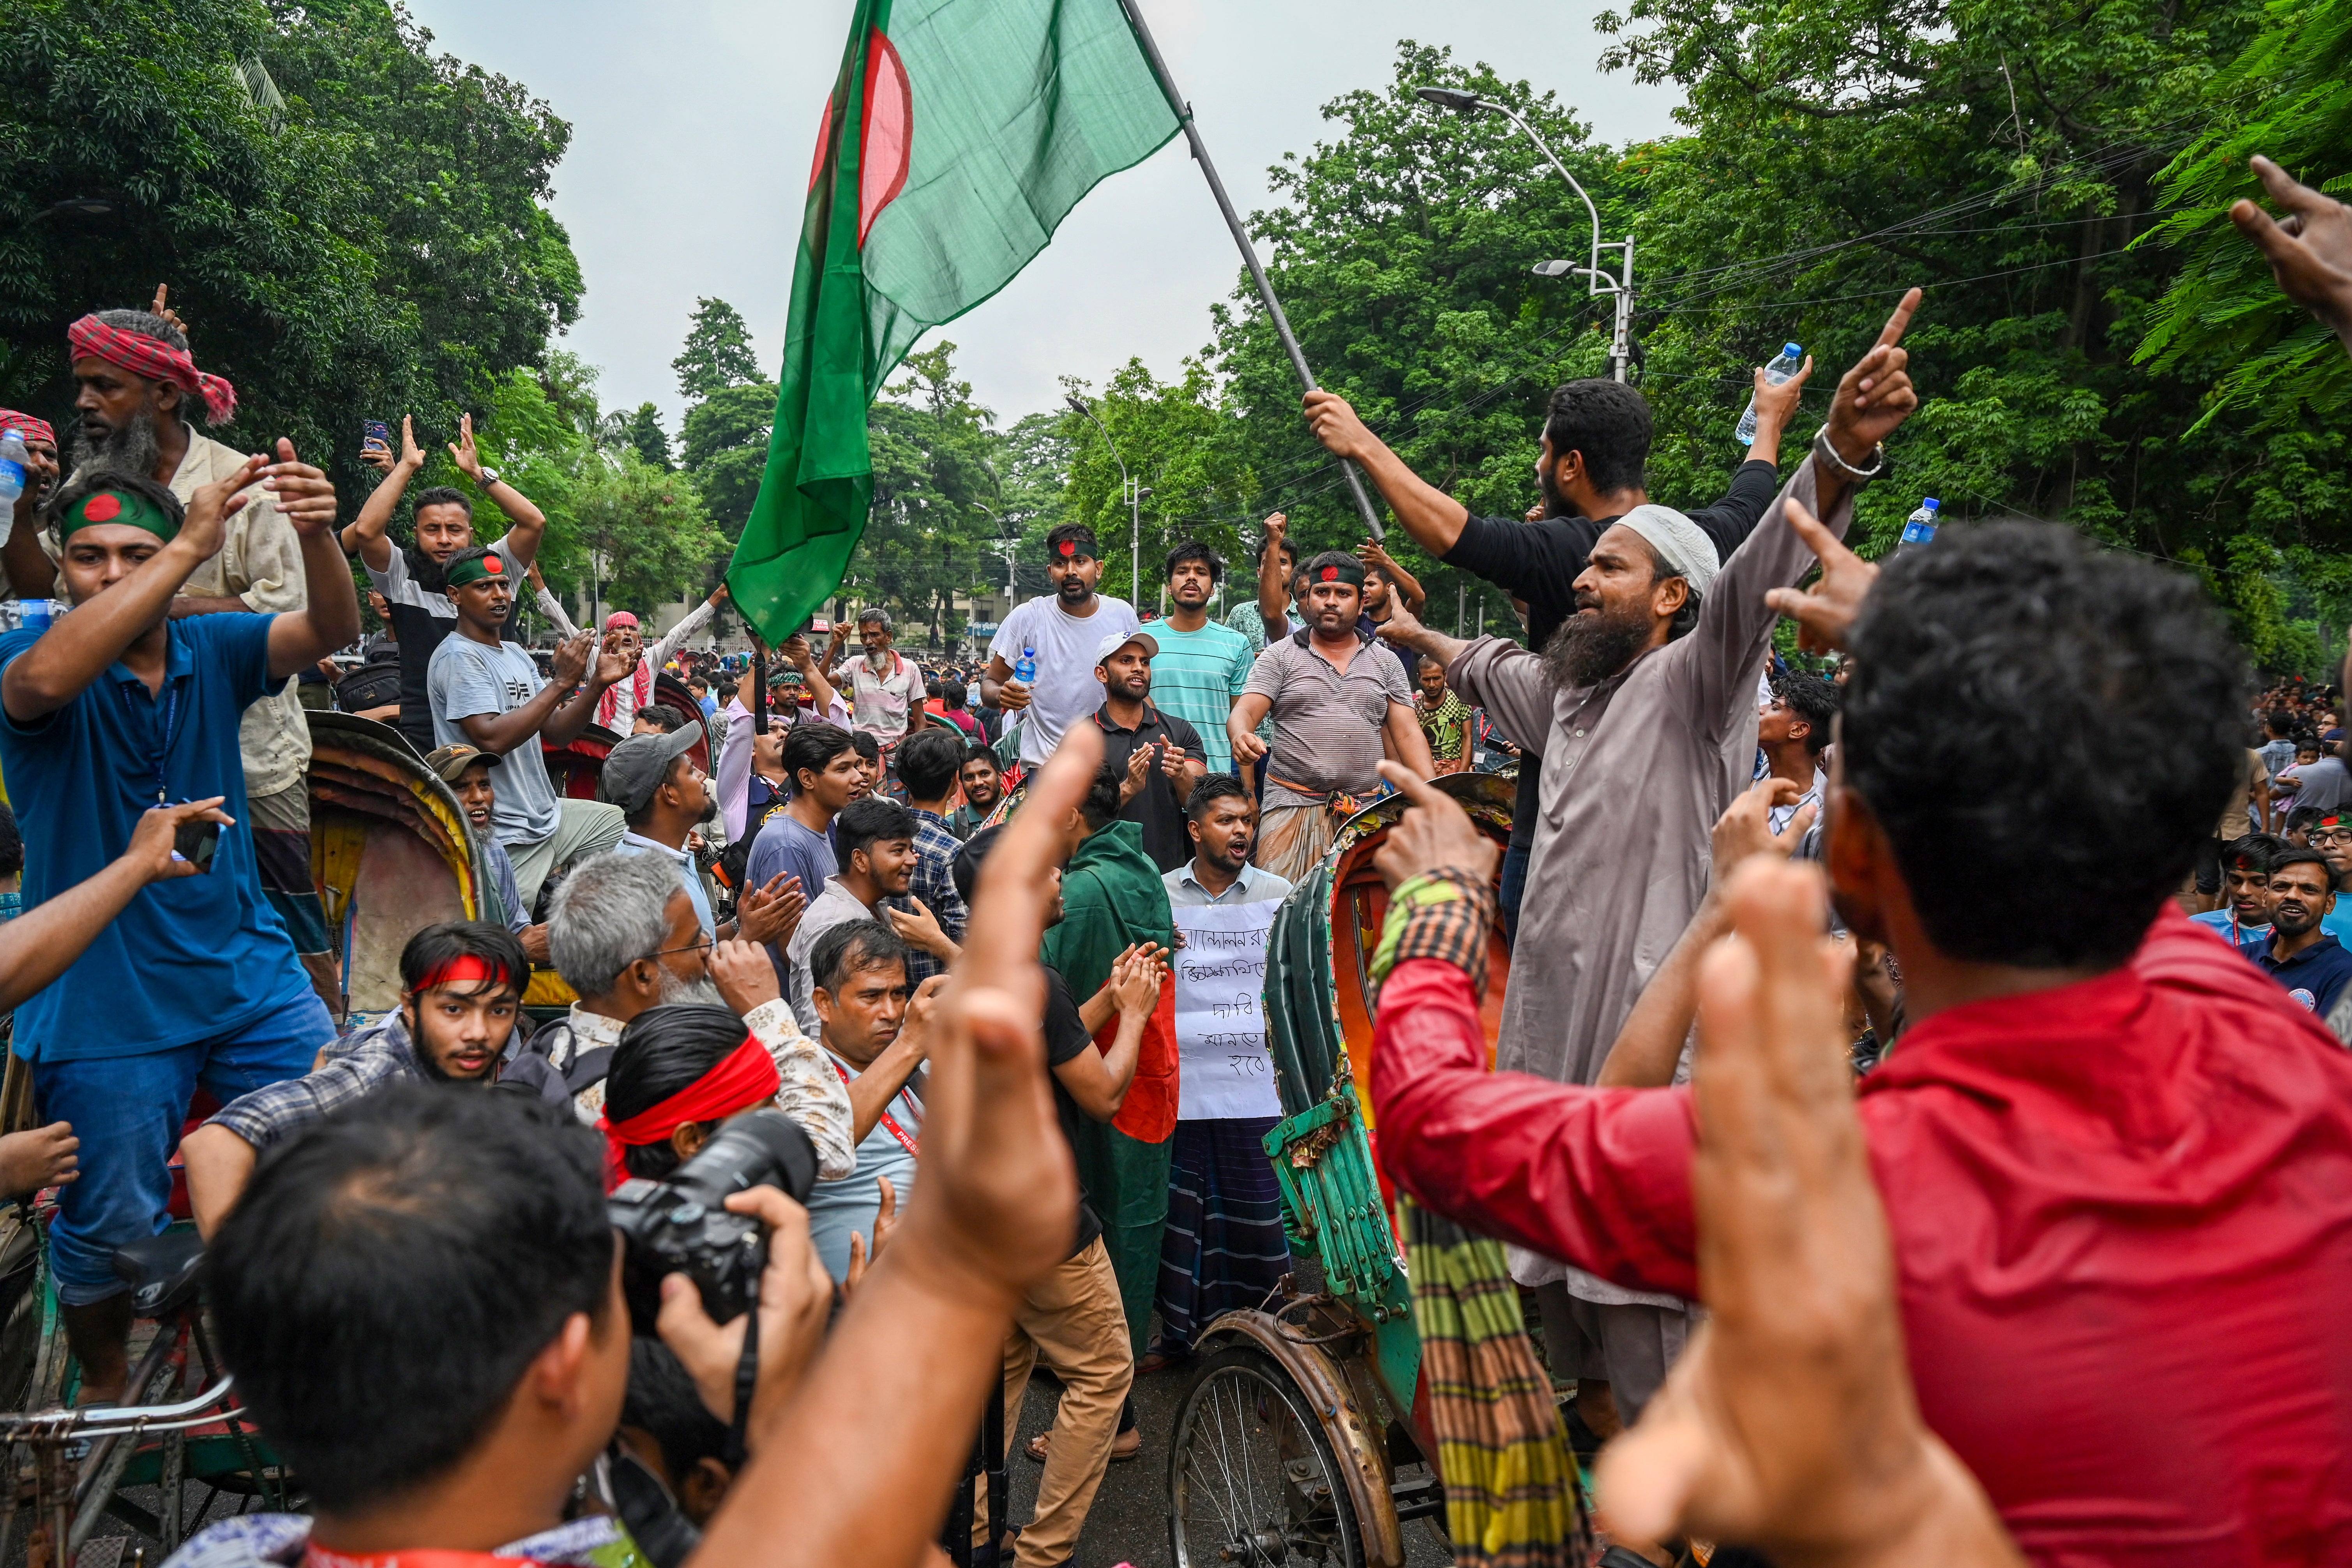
(1223, 1245)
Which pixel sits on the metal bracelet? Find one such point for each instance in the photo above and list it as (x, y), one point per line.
(1827, 452)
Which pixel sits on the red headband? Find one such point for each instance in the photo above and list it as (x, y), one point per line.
(736, 1082)
(25, 425)
(154, 359)
(465, 969)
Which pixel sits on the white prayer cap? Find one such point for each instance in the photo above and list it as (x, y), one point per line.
(1685, 547)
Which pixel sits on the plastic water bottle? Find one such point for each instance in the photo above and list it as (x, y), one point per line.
(1920, 526)
(1024, 668)
(1790, 361)
(13, 459)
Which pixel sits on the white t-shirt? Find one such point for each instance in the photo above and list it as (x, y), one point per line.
(1066, 689)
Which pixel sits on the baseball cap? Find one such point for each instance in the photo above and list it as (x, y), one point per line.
(451, 761)
(1118, 640)
(635, 767)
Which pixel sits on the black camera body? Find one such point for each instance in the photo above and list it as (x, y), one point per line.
(679, 1225)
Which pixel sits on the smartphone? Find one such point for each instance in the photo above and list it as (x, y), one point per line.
(196, 841)
(375, 433)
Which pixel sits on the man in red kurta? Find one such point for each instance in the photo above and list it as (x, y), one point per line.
(2116, 1160)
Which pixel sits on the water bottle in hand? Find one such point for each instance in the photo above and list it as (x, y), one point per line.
(1920, 526)
(1790, 361)
(13, 459)
(1024, 668)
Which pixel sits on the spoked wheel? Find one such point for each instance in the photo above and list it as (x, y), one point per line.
(1250, 1476)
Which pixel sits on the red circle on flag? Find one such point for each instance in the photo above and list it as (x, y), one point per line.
(1069, 547)
(493, 565)
(103, 508)
(1330, 574)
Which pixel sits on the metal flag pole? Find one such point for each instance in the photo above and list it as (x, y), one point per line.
(1249, 252)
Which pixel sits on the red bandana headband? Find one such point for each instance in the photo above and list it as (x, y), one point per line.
(25, 425)
(155, 360)
(465, 969)
(744, 1078)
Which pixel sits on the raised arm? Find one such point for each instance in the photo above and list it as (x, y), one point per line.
(329, 618)
(611, 667)
(1775, 407)
(77, 649)
(1407, 586)
(526, 524)
(1432, 518)
(1273, 587)
(549, 604)
(692, 622)
(366, 536)
(43, 942)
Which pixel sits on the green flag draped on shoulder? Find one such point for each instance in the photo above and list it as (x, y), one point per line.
(959, 135)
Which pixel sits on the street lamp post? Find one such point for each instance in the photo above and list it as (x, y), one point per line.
(1621, 342)
(1131, 491)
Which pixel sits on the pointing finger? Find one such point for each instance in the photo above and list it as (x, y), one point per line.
(1896, 323)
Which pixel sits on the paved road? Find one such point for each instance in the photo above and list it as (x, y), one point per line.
(1128, 1522)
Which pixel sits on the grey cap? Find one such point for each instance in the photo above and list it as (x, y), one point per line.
(1685, 547)
(636, 767)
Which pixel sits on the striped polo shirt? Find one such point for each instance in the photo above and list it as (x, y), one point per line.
(1196, 676)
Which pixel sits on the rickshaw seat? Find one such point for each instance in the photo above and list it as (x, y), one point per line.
(162, 1271)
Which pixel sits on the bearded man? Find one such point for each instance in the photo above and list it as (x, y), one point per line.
(1643, 706)
(137, 387)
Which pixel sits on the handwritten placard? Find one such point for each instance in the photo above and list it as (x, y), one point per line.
(1220, 1018)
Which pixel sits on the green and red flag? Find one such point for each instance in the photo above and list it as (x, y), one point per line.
(959, 135)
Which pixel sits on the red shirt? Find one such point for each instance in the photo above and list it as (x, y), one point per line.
(2122, 1215)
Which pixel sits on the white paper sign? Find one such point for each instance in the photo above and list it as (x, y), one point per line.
(1220, 1014)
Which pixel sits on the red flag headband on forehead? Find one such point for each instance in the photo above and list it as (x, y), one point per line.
(465, 969)
(736, 1082)
(154, 359)
(25, 425)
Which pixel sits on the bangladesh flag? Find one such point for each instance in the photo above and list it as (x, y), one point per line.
(959, 135)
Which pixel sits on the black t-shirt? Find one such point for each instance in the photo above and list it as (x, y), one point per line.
(1065, 1037)
(1155, 806)
(1540, 562)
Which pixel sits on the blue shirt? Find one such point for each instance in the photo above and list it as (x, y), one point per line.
(2314, 977)
(2223, 922)
(689, 876)
(191, 959)
(786, 847)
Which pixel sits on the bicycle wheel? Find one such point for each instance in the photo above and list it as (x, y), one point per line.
(1250, 1476)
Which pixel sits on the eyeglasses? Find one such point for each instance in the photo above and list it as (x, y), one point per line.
(2331, 836)
(701, 944)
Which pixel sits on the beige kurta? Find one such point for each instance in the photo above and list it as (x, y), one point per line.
(1635, 771)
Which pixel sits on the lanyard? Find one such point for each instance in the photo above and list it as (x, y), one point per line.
(889, 1123)
(171, 718)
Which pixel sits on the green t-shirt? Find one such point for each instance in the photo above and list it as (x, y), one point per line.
(1196, 676)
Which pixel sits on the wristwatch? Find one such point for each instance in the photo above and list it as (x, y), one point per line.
(489, 476)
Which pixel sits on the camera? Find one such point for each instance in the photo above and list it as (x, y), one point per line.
(679, 1225)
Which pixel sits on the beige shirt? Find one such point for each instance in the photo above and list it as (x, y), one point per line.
(260, 562)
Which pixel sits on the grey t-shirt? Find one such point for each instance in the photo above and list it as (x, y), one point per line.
(467, 677)
(1327, 723)
(2325, 784)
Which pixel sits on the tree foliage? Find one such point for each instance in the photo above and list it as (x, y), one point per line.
(717, 352)
(352, 226)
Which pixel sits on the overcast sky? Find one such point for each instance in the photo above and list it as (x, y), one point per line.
(693, 123)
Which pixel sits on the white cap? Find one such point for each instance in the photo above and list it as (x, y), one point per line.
(1685, 547)
(1118, 640)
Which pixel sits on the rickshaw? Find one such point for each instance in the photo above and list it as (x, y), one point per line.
(1299, 1437)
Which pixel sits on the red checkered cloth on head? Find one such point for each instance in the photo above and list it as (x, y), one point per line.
(154, 359)
(25, 425)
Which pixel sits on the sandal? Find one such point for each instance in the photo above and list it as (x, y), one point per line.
(1123, 1448)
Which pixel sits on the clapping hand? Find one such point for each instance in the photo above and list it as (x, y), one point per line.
(615, 658)
(1135, 979)
(771, 913)
(463, 452)
(571, 659)
(1746, 826)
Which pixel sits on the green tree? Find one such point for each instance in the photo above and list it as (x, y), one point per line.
(717, 352)
(640, 533)
(642, 433)
(1176, 441)
(934, 525)
(724, 445)
(352, 226)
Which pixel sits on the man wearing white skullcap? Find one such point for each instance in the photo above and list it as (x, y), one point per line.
(1643, 702)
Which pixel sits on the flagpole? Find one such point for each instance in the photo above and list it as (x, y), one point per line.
(1241, 238)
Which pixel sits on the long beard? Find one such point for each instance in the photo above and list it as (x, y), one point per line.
(128, 448)
(1587, 649)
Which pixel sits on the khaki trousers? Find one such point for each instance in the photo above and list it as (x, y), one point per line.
(582, 827)
(1072, 1319)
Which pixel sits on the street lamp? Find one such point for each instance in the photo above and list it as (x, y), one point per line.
(1598, 281)
(1130, 490)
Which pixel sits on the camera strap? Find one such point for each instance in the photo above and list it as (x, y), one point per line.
(747, 1379)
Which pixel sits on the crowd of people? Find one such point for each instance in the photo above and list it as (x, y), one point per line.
(1963, 1029)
